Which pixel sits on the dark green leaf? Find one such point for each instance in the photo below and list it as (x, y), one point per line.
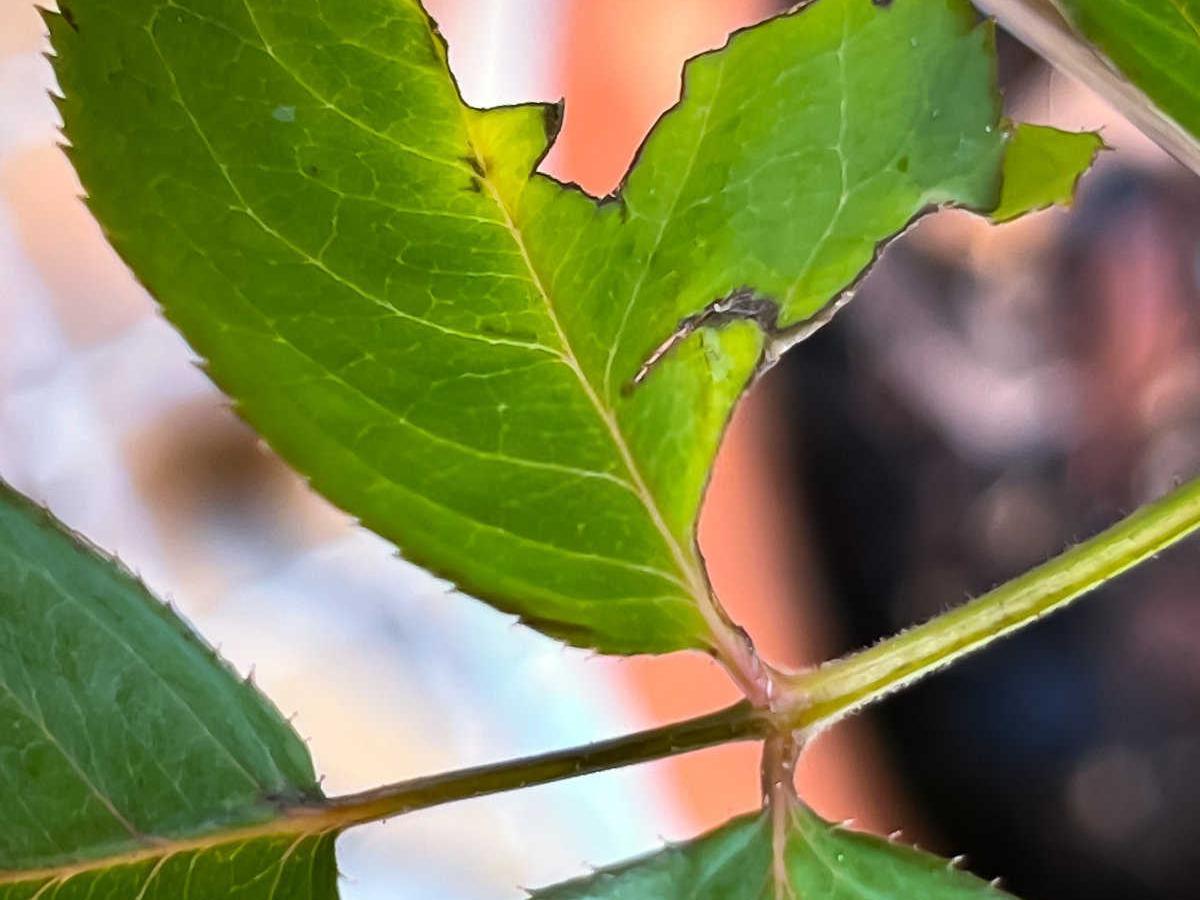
(133, 762)
(820, 861)
(448, 345)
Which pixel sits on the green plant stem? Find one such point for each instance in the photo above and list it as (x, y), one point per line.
(1040, 26)
(805, 703)
(735, 723)
(813, 700)
(820, 697)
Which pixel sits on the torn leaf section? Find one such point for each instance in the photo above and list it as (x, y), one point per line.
(743, 305)
(822, 862)
(443, 341)
(271, 867)
(128, 747)
(1042, 168)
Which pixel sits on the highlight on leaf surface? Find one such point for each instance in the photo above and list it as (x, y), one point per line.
(744, 860)
(522, 387)
(137, 764)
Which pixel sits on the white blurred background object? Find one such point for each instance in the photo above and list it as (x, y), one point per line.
(105, 418)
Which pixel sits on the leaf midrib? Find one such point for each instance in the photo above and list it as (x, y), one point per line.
(725, 638)
(696, 581)
(245, 206)
(303, 825)
(688, 569)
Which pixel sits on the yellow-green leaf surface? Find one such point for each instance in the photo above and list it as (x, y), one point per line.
(133, 763)
(1155, 44)
(475, 360)
(812, 860)
(1042, 167)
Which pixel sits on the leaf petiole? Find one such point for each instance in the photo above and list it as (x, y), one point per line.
(811, 701)
(739, 722)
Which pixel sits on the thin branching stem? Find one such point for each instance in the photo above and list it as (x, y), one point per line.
(815, 699)
(736, 723)
(321, 817)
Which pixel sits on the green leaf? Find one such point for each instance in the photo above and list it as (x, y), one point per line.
(133, 762)
(1042, 168)
(819, 861)
(458, 351)
(1155, 44)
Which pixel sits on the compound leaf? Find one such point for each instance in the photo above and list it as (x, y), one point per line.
(134, 763)
(818, 860)
(520, 386)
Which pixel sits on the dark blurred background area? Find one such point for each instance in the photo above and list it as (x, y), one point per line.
(989, 398)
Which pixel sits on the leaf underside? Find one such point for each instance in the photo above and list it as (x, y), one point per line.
(127, 748)
(1155, 44)
(819, 860)
(447, 344)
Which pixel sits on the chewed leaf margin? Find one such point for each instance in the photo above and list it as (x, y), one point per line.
(612, 563)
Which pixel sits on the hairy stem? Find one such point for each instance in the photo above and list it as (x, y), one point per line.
(780, 753)
(815, 699)
(809, 702)
(824, 695)
(735, 723)
(1040, 26)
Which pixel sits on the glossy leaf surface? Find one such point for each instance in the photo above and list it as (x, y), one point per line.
(455, 349)
(134, 762)
(820, 861)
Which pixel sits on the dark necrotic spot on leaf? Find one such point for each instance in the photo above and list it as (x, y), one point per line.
(738, 305)
(553, 120)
